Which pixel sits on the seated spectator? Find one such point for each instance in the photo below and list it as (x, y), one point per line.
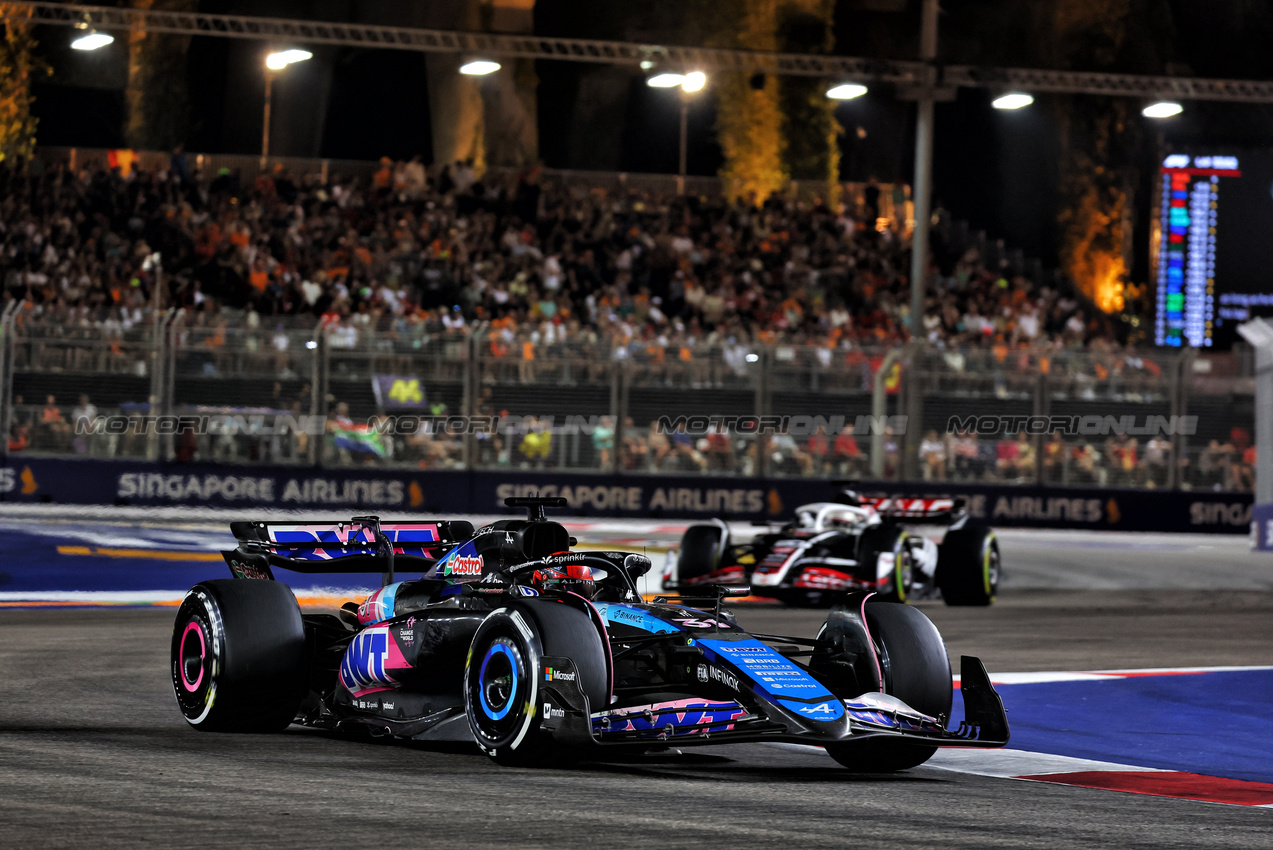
(18, 437)
(603, 442)
(1156, 461)
(54, 430)
(1055, 453)
(932, 455)
(536, 443)
(846, 456)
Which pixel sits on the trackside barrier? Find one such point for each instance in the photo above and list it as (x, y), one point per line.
(402, 491)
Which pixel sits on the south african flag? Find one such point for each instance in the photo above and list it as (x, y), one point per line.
(360, 438)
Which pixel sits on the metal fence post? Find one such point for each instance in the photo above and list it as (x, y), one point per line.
(760, 375)
(1183, 368)
(7, 322)
(322, 369)
(168, 383)
(468, 403)
(1042, 407)
(618, 412)
(158, 383)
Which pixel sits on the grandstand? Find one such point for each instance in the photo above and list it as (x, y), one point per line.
(291, 292)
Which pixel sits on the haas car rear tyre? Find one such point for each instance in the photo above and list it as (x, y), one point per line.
(503, 670)
(700, 552)
(893, 541)
(968, 566)
(916, 670)
(239, 660)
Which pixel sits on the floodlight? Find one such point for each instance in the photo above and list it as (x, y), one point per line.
(479, 68)
(846, 91)
(92, 41)
(1013, 100)
(1162, 109)
(279, 60)
(665, 81)
(694, 81)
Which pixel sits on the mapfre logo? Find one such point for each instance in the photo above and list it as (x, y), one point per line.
(465, 565)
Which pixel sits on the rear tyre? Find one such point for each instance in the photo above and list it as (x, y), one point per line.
(887, 540)
(700, 552)
(239, 660)
(501, 678)
(916, 670)
(968, 566)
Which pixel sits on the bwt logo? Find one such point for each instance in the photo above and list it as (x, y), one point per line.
(364, 663)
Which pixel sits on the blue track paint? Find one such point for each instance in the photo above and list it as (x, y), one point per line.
(1217, 724)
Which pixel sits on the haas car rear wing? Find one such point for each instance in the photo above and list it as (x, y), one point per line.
(918, 511)
(358, 545)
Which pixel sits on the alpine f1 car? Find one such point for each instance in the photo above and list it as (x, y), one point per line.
(855, 543)
(541, 651)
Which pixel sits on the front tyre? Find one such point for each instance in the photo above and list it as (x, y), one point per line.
(500, 687)
(916, 670)
(238, 655)
(502, 674)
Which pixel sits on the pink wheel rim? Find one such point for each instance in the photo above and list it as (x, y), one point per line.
(203, 648)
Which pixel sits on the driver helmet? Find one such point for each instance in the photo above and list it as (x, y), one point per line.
(565, 578)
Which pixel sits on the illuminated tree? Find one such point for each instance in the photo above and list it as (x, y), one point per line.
(809, 127)
(19, 68)
(1098, 149)
(1095, 187)
(748, 116)
(772, 129)
(156, 98)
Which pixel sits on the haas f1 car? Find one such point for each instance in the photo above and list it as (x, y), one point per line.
(542, 652)
(856, 543)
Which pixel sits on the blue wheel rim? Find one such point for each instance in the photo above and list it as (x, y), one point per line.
(493, 650)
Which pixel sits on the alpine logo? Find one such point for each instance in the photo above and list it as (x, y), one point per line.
(364, 663)
(464, 565)
(820, 708)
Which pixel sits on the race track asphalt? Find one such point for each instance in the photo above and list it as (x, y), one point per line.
(94, 753)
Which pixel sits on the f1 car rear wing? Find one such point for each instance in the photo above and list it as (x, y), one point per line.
(358, 545)
(918, 510)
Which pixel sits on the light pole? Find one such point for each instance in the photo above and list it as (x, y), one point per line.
(922, 191)
(689, 84)
(274, 63)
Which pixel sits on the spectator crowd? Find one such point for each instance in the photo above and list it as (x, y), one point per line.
(551, 270)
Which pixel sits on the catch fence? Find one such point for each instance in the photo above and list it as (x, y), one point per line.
(247, 389)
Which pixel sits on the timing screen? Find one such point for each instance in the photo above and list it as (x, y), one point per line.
(1215, 248)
